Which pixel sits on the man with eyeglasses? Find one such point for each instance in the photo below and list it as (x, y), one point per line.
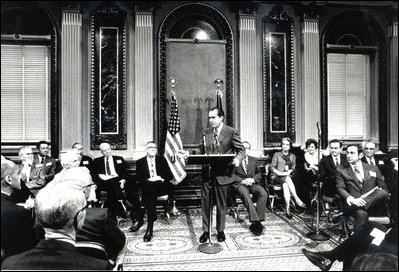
(61, 210)
(380, 161)
(154, 175)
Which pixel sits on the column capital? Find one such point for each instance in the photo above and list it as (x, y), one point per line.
(393, 30)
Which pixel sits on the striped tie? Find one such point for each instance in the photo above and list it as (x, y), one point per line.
(246, 164)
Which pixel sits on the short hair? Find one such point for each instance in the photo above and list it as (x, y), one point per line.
(40, 143)
(8, 168)
(151, 142)
(247, 143)
(103, 145)
(311, 141)
(75, 144)
(335, 141)
(67, 156)
(375, 262)
(22, 149)
(286, 139)
(57, 205)
(359, 148)
(369, 142)
(220, 111)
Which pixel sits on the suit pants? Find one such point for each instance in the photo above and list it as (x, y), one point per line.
(115, 193)
(150, 192)
(221, 192)
(260, 197)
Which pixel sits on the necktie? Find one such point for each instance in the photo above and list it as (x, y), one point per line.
(152, 168)
(42, 161)
(216, 140)
(336, 161)
(246, 164)
(358, 174)
(107, 169)
(372, 161)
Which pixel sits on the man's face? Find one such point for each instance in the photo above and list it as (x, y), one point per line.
(106, 150)
(247, 149)
(27, 156)
(214, 120)
(44, 149)
(352, 154)
(79, 148)
(16, 179)
(335, 149)
(151, 149)
(369, 150)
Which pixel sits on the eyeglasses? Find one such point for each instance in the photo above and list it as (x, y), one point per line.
(369, 148)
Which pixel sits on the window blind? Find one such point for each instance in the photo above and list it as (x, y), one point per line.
(24, 93)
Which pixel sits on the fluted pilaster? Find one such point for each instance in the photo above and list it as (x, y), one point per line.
(71, 78)
(393, 94)
(144, 91)
(247, 69)
(310, 78)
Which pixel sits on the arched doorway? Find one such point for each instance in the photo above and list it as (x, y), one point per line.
(194, 34)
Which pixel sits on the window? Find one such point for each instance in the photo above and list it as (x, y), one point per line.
(348, 89)
(24, 93)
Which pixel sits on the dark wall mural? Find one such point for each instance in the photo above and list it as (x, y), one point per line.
(278, 83)
(108, 93)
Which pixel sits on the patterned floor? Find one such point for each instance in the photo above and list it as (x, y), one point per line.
(175, 246)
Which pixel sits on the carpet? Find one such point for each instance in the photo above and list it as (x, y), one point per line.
(175, 246)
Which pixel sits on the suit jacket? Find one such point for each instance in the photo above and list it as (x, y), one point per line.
(49, 165)
(17, 227)
(86, 161)
(54, 255)
(229, 143)
(98, 167)
(253, 171)
(348, 184)
(99, 226)
(161, 166)
(37, 177)
(383, 164)
(327, 168)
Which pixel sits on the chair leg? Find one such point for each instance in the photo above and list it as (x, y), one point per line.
(272, 203)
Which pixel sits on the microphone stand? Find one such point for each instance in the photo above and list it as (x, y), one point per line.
(318, 235)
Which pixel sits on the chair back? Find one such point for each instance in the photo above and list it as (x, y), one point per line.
(92, 249)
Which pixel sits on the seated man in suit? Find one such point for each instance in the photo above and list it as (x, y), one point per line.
(247, 180)
(17, 224)
(328, 169)
(61, 210)
(154, 176)
(364, 192)
(84, 160)
(42, 159)
(110, 174)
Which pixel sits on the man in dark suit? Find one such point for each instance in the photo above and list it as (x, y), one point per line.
(154, 175)
(84, 160)
(219, 139)
(110, 174)
(328, 169)
(247, 180)
(17, 224)
(362, 188)
(61, 210)
(42, 159)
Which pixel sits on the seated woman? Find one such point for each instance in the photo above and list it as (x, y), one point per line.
(282, 168)
(311, 165)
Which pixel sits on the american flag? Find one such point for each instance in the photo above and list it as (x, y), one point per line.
(173, 144)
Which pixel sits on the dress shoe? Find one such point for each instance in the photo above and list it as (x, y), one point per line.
(256, 228)
(147, 236)
(204, 237)
(221, 236)
(318, 259)
(136, 227)
(288, 215)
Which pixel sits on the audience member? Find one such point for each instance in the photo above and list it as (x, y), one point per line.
(311, 166)
(282, 169)
(328, 170)
(219, 139)
(17, 224)
(154, 176)
(84, 160)
(110, 174)
(61, 211)
(42, 159)
(375, 262)
(247, 180)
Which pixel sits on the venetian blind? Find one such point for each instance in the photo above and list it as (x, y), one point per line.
(348, 95)
(24, 93)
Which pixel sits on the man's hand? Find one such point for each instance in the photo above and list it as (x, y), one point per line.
(122, 183)
(248, 181)
(236, 162)
(360, 202)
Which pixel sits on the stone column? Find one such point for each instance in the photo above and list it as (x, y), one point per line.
(249, 129)
(393, 88)
(311, 103)
(71, 78)
(144, 79)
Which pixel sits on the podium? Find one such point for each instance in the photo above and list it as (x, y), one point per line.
(211, 160)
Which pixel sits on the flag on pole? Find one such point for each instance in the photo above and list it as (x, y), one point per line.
(173, 145)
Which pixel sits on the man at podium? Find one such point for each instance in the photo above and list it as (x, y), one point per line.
(218, 139)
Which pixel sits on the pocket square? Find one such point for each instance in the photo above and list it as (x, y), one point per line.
(373, 174)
